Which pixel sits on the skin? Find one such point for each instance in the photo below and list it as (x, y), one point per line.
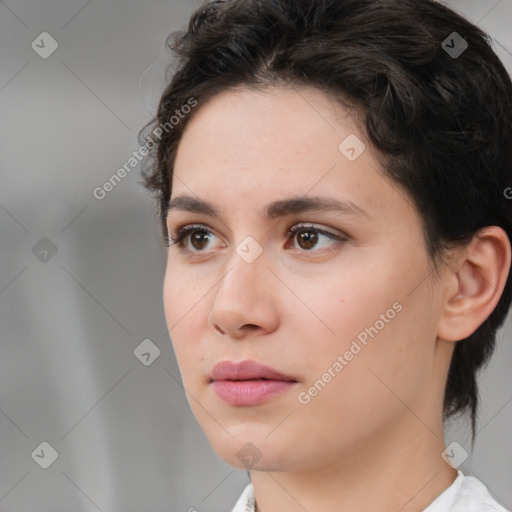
(377, 425)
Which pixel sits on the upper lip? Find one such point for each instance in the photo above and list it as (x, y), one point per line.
(246, 370)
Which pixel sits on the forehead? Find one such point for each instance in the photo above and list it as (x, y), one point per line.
(248, 148)
(282, 130)
(271, 111)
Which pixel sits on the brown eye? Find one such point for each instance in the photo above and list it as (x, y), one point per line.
(198, 235)
(307, 239)
(199, 239)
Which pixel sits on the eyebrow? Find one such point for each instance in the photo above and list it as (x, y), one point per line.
(272, 210)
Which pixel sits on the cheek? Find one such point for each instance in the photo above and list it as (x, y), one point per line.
(383, 334)
(184, 317)
(373, 385)
(175, 309)
(184, 292)
(172, 291)
(341, 305)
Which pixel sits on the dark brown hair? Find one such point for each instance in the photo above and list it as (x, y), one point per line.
(440, 123)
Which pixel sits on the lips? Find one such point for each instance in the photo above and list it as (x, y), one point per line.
(248, 383)
(247, 370)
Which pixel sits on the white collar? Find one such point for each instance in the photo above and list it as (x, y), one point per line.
(465, 494)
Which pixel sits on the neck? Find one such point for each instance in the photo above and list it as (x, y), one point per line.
(399, 470)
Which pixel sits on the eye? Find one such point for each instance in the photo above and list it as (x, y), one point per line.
(199, 239)
(194, 238)
(309, 235)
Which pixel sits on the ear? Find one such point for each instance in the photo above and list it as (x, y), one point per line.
(475, 284)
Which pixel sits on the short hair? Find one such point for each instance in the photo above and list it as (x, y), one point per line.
(440, 121)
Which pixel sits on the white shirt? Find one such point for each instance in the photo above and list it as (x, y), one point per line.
(465, 494)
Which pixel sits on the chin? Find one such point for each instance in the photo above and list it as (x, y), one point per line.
(253, 452)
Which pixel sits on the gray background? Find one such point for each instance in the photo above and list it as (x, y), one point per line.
(70, 322)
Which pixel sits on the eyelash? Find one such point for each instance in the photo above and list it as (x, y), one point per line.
(178, 238)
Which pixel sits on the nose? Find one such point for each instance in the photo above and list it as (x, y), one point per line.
(246, 299)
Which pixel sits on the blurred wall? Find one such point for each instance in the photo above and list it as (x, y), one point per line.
(81, 276)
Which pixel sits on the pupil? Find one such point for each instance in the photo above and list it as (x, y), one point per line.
(309, 238)
(196, 237)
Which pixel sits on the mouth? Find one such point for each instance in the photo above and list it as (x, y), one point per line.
(248, 383)
(246, 371)
(261, 378)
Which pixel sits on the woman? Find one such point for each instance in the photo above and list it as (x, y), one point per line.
(332, 182)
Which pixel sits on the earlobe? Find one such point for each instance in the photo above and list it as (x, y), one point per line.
(480, 275)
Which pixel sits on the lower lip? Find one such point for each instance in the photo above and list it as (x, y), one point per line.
(249, 392)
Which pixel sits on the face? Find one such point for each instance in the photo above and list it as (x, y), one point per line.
(344, 306)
